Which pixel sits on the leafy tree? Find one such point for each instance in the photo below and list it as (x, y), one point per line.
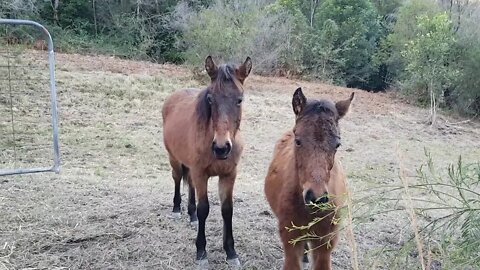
(358, 34)
(404, 30)
(326, 63)
(429, 57)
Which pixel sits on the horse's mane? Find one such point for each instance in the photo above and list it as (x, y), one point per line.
(203, 109)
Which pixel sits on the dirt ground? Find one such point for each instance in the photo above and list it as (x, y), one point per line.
(109, 207)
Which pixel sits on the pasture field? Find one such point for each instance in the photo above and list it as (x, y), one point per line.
(109, 207)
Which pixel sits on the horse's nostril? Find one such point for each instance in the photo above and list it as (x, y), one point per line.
(310, 197)
(324, 198)
(222, 152)
(228, 147)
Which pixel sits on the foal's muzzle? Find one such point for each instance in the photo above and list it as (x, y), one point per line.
(221, 152)
(311, 198)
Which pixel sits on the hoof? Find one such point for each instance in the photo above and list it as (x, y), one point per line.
(194, 224)
(234, 263)
(202, 264)
(176, 215)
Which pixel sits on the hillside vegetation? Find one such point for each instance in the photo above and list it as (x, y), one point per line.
(428, 50)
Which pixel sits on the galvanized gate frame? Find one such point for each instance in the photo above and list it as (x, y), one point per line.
(53, 98)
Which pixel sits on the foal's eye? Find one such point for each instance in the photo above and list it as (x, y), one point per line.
(209, 99)
(298, 142)
(239, 101)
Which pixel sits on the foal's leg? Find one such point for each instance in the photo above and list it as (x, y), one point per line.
(177, 177)
(225, 190)
(200, 181)
(322, 256)
(192, 208)
(305, 257)
(293, 253)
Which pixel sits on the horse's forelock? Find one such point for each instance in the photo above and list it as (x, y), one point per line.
(317, 106)
(226, 74)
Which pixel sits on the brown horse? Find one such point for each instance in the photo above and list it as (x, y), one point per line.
(201, 134)
(305, 182)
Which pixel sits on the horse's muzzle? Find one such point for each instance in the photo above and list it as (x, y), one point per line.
(222, 152)
(310, 198)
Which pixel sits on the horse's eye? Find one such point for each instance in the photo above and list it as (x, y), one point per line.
(209, 98)
(239, 101)
(298, 142)
(338, 142)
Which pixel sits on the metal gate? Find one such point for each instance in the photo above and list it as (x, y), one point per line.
(20, 81)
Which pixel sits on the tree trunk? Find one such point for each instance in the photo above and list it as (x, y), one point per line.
(95, 17)
(433, 105)
(55, 11)
(138, 8)
(313, 7)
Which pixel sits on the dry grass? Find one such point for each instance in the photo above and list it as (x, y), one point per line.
(109, 208)
(409, 206)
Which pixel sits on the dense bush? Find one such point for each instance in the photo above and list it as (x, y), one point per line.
(231, 30)
(120, 27)
(356, 37)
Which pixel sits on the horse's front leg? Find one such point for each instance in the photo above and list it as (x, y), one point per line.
(322, 255)
(225, 189)
(200, 181)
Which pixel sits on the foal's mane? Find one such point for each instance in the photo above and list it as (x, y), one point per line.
(225, 75)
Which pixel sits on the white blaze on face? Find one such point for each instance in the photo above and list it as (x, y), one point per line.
(221, 141)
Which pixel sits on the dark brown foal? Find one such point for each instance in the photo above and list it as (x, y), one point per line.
(305, 181)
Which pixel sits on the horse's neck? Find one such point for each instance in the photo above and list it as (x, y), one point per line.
(204, 138)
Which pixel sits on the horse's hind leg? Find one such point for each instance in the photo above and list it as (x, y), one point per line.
(192, 207)
(177, 177)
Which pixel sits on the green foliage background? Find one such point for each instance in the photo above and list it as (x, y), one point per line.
(413, 46)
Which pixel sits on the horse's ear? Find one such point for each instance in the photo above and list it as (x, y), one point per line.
(299, 101)
(244, 70)
(211, 68)
(343, 106)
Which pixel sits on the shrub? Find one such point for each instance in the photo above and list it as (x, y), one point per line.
(231, 30)
(452, 231)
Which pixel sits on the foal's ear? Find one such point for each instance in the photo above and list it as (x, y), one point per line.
(344, 105)
(211, 68)
(243, 71)
(299, 101)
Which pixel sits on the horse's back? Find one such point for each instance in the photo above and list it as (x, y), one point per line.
(281, 170)
(179, 101)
